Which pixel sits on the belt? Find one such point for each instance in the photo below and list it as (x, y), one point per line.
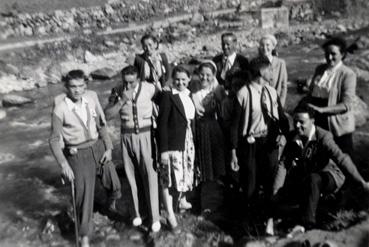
(135, 130)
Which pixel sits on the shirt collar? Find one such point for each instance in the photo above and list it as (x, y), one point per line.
(71, 105)
(185, 92)
(312, 137)
(334, 69)
(231, 57)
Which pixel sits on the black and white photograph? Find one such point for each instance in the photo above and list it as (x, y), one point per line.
(184, 123)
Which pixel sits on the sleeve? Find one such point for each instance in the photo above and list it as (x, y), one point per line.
(167, 69)
(55, 140)
(112, 108)
(343, 160)
(102, 125)
(164, 112)
(283, 80)
(235, 122)
(138, 63)
(348, 90)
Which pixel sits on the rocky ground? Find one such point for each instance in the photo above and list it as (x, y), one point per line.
(34, 205)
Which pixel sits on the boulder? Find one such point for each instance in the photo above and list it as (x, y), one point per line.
(15, 100)
(103, 74)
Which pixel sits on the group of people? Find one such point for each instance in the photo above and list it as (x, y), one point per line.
(182, 130)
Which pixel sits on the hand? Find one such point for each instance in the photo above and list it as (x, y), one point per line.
(316, 108)
(126, 96)
(164, 158)
(67, 172)
(166, 88)
(158, 86)
(234, 162)
(107, 157)
(366, 187)
(200, 111)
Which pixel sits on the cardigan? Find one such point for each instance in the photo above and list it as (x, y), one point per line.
(140, 61)
(136, 113)
(68, 129)
(278, 80)
(240, 63)
(343, 90)
(172, 123)
(323, 155)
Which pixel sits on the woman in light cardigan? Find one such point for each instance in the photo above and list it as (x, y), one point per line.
(332, 93)
(277, 70)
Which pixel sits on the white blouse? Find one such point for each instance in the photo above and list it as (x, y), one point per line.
(186, 102)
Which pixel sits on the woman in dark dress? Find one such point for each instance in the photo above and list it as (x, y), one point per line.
(209, 140)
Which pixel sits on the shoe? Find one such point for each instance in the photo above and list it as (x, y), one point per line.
(270, 227)
(85, 242)
(296, 231)
(155, 227)
(184, 204)
(137, 221)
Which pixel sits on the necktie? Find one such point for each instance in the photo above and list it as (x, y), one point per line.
(226, 66)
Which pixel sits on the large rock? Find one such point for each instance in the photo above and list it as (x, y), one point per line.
(15, 100)
(103, 74)
(9, 83)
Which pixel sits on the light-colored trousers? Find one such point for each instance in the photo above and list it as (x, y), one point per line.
(137, 157)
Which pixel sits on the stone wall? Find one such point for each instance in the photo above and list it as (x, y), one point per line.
(105, 17)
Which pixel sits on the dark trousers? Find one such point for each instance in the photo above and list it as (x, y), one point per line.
(258, 164)
(316, 184)
(305, 191)
(85, 165)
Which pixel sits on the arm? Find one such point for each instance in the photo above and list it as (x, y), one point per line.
(164, 112)
(115, 104)
(283, 80)
(343, 161)
(236, 118)
(55, 142)
(167, 69)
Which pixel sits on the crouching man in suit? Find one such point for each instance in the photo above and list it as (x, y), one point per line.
(315, 165)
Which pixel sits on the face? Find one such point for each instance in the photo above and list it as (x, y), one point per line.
(149, 46)
(303, 124)
(333, 55)
(228, 45)
(181, 80)
(75, 89)
(131, 81)
(206, 77)
(266, 47)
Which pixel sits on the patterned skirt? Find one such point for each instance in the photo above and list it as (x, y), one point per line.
(180, 173)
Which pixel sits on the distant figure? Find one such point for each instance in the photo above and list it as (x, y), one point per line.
(82, 147)
(229, 61)
(209, 140)
(175, 141)
(277, 71)
(315, 165)
(133, 101)
(152, 66)
(332, 93)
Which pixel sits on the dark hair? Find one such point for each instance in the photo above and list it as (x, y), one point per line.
(180, 69)
(209, 65)
(129, 70)
(303, 107)
(336, 41)
(237, 79)
(150, 36)
(229, 34)
(74, 75)
(255, 67)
